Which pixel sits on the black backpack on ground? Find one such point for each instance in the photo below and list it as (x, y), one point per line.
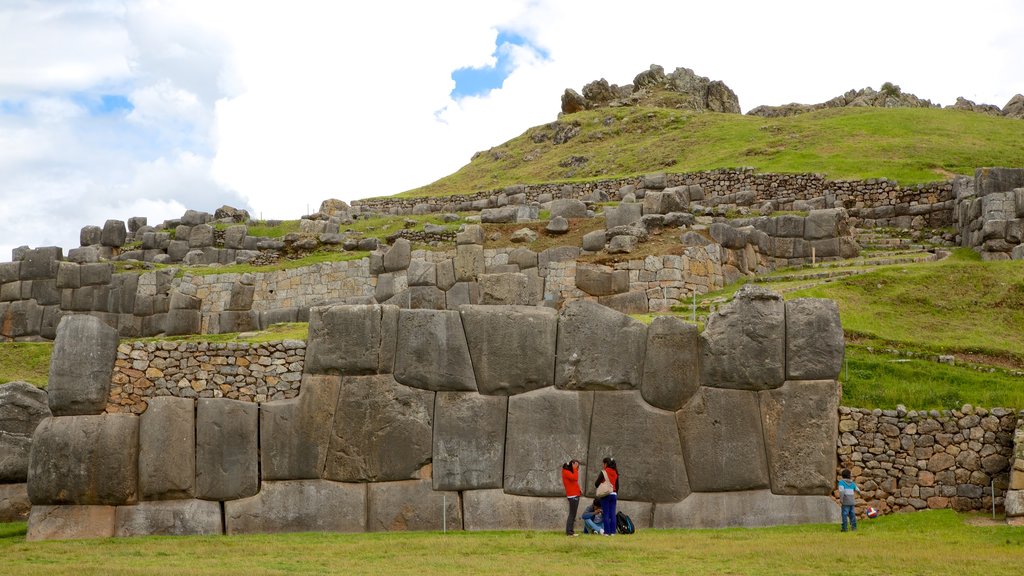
(624, 524)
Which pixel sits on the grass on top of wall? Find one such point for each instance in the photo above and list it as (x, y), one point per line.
(25, 361)
(924, 543)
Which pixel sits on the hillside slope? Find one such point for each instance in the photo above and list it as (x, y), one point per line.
(909, 145)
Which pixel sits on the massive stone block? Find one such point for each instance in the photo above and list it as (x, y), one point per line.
(70, 522)
(462, 293)
(749, 509)
(672, 364)
(508, 288)
(422, 273)
(382, 431)
(227, 451)
(411, 505)
(398, 256)
(183, 322)
(652, 470)
(14, 502)
(167, 449)
(469, 262)
(800, 421)
(814, 339)
(352, 339)
(568, 208)
(299, 506)
(598, 348)
(512, 347)
(295, 434)
(114, 233)
(626, 213)
(545, 428)
(429, 297)
(22, 408)
(81, 366)
(432, 352)
(171, 518)
(821, 224)
(744, 343)
(85, 460)
(495, 510)
(41, 263)
(722, 439)
(994, 180)
(469, 440)
(601, 280)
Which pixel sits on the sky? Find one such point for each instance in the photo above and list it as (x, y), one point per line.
(122, 108)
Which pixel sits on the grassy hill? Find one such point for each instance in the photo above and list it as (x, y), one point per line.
(909, 145)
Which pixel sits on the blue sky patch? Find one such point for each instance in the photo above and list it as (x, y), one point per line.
(102, 104)
(480, 81)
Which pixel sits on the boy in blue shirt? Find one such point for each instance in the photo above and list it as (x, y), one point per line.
(847, 498)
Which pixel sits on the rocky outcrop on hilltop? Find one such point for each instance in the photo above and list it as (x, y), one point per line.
(890, 96)
(969, 105)
(1015, 107)
(686, 90)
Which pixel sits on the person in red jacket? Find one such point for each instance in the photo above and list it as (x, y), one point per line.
(571, 481)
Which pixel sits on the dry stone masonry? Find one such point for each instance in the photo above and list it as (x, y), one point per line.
(990, 212)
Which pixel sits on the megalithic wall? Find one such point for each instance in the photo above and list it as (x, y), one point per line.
(431, 419)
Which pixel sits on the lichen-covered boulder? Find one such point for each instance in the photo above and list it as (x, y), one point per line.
(512, 347)
(227, 449)
(432, 352)
(814, 339)
(22, 408)
(295, 434)
(672, 364)
(352, 339)
(81, 366)
(545, 428)
(411, 505)
(801, 422)
(299, 506)
(651, 470)
(722, 440)
(598, 348)
(85, 460)
(469, 441)
(382, 431)
(744, 343)
(169, 518)
(167, 449)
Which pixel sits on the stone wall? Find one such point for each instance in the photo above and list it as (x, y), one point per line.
(929, 459)
(1015, 494)
(403, 412)
(990, 213)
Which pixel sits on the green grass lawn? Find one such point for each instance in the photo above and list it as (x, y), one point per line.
(921, 543)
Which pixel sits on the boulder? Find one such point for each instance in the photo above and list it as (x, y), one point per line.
(743, 344)
(628, 303)
(598, 348)
(381, 432)
(398, 256)
(14, 502)
(41, 263)
(90, 235)
(545, 428)
(411, 505)
(821, 224)
(814, 339)
(299, 506)
(512, 347)
(167, 449)
(750, 509)
(567, 208)
(421, 273)
(352, 339)
(432, 353)
(623, 215)
(722, 439)
(523, 257)
(495, 510)
(509, 288)
(651, 470)
(70, 522)
(557, 225)
(469, 441)
(470, 234)
(995, 180)
(429, 297)
(599, 280)
(462, 293)
(22, 408)
(85, 460)
(200, 236)
(622, 244)
(800, 421)
(295, 434)
(446, 274)
(594, 241)
(524, 235)
(170, 518)
(503, 215)
(672, 363)
(469, 262)
(389, 284)
(114, 234)
(227, 449)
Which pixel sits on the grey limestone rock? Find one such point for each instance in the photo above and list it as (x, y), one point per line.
(195, 217)
(421, 273)
(22, 408)
(623, 215)
(299, 506)
(352, 339)
(814, 339)
(672, 364)
(462, 293)
(801, 422)
(693, 238)
(469, 441)
(389, 284)
(509, 288)
(200, 236)
(598, 348)
(495, 510)
(411, 505)
(114, 233)
(512, 347)
(432, 352)
(599, 280)
(81, 366)
(821, 224)
(14, 502)
(568, 208)
(429, 297)
(69, 522)
(502, 215)
(722, 439)
(90, 235)
(446, 274)
(545, 428)
(169, 518)
(295, 434)
(652, 470)
(634, 302)
(398, 256)
(227, 449)
(469, 262)
(594, 241)
(622, 244)
(523, 257)
(85, 460)
(167, 449)
(526, 235)
(41, 263)
(381, 432)
(749, 509)
(471, 234)
(744, 343)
